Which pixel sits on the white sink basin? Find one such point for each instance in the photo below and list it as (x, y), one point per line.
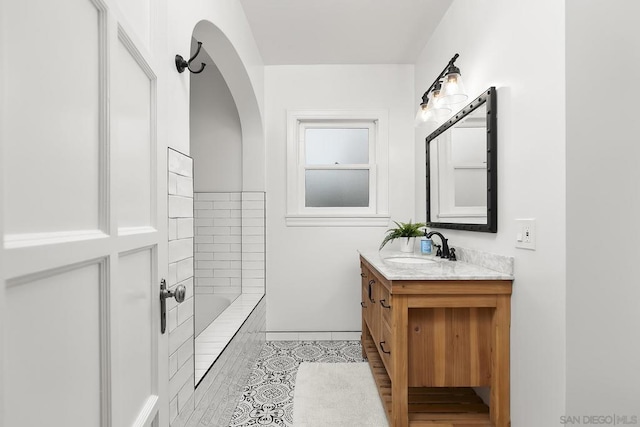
(410, 260)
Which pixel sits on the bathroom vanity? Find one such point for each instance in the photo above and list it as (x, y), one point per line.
(432, 331)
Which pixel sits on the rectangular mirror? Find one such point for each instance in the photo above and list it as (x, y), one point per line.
(461, 173)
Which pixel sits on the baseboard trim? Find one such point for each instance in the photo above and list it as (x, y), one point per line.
(314, 336)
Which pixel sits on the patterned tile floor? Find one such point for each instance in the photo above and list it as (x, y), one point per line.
(268, 396)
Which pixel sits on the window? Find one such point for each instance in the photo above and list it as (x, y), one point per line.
(337, 168)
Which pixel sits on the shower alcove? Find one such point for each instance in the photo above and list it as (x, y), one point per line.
(229, 225)
(216, 230)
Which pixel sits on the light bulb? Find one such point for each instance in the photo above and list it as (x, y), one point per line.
(453, 89)
(440, 112)
(435, 95)
(424, 115)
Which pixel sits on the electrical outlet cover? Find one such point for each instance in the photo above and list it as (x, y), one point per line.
(526, 233)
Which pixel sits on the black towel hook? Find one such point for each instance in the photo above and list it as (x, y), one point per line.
(181, 64)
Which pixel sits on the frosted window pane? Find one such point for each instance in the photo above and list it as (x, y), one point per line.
(471, 187)
(336, 146)
(336, 188)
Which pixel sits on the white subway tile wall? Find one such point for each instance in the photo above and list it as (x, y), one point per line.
(229, 242)
(253, 242)
(217, 395)
(216, 245)
(180, 316)
(211, 342)
(217, 262)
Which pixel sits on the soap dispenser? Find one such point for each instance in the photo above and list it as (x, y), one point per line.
(425, 244)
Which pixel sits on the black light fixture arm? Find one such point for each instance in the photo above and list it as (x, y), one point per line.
(425, 97)
(181, 64)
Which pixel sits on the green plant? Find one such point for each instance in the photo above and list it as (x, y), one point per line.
(403, 229)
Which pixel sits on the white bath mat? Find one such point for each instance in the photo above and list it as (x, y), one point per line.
(336, 395)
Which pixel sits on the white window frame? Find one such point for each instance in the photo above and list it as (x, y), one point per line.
(377, 213)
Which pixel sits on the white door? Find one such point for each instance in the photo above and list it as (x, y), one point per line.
(84, 246)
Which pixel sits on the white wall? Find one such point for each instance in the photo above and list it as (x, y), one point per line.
(603, 208)
(223, 28)
(216, 134)
(519, 48)
(313, 272)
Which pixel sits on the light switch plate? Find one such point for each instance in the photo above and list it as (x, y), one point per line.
(526, 233)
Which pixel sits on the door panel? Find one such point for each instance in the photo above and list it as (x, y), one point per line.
(79, 209)
(51, 128)
(54, 349)
(133, 101)
(135, 358)
(138, 13)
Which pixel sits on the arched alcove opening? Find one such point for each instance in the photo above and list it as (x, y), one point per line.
(235, 74)
(215, 130)
(227, 146)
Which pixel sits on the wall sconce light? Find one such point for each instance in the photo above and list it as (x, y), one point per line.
(181, 64)
(447, 89)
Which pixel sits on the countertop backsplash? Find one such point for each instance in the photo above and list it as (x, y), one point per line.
(502, 263)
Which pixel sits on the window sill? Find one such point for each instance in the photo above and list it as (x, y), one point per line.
(337, 220)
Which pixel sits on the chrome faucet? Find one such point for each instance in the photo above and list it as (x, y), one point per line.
(445, 246)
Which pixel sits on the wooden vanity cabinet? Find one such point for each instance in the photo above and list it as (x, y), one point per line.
(429, 342)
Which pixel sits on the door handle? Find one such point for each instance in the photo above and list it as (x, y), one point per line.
(165, 293)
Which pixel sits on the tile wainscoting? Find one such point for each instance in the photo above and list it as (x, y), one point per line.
(224, 245)
(180, 316)
(219, 392)
(215, 338)
(230, 242)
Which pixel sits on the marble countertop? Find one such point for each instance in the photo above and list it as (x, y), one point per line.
(394, 265)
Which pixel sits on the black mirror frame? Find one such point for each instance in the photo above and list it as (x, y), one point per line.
(489, 97)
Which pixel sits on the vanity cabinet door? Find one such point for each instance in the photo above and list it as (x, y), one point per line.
(384, 347)
(374, 302)
(366, 305)
(369, 299)
(384, 315)
(385, 303)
